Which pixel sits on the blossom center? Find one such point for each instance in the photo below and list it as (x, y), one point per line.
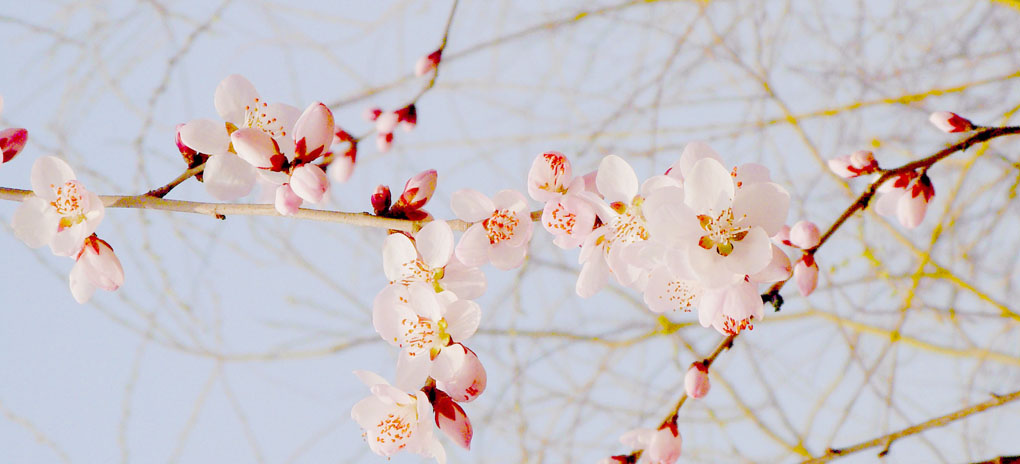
(561, 220)
(733, 327)
(558, 167)
(720, 232)
(681, 293)
(70, 203)
(423, 336)
(500, 226)
(394, 430)
(256, 116)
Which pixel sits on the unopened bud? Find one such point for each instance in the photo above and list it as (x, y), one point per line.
(381, 200)
(696, 380)
(12, 141)
(427, 63)
(950, 122)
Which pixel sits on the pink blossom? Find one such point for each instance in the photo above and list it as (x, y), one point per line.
(287, 202)
(96, 266)
(950, 122)
(731, 308)
(906, 198)
(227, 177)
(804, 235)
(386, 122)
(423, 324)
(341, 168)
(696, 383)
(805, 273)
(468, 382)
(395, 420)
(452, 420)
(858, 163)
(12, 141)
(61, 213)
(309, 182)
(417, 192)
(429, 259)
(549, 177)
(427, 63)
(660, 446)
(501, 231)
(289, 160)
(570, 219)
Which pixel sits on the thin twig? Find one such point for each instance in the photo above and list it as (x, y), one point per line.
(886, 440)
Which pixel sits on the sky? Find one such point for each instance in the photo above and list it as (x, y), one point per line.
(234, 340)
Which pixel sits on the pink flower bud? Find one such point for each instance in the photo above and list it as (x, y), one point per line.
(805, 273)
(418, 191)
(427, 63)
(341, 168)
(855, 164)
(950, 122)
(804, 235)
(407, 117)
(665, 446)
(783, 236)
(863, 161)
(371, 114)
(386, 122)
(696, 380)
(468, 382)
(309, 182)
(185, 150)
(384, 141)
(381, 200)
(913, 204)
(452, 420)
(12, 141)
(313, 132)
(287, 202)
(96, 266)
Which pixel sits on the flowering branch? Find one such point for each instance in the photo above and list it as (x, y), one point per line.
(886, 440)
(153, 201)
(773, 294)
(864, 199)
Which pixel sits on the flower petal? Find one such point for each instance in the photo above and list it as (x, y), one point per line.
(708, 188)
(462, 319)
(228, 177)
(35, 222)
(398, 252)
(233, 94)
(762, 204)
(471, 205)
(473, 248)
(48, 173)
(205, 136)
(435, 243)
(616, 180)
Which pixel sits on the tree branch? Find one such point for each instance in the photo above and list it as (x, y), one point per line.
(886, 440)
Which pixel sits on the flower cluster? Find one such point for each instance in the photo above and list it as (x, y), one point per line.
(61, 213)
(697, 236)
(274, 142)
